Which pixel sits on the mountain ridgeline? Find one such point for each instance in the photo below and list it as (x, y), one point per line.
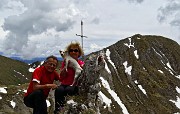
(137, 75)
(154, 64)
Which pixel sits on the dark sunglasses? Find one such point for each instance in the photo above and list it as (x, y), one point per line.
(75, 50)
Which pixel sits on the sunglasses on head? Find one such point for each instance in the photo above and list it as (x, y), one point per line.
(75, 50)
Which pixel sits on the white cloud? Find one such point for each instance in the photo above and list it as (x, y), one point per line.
(170, 13)
(36, 20)
(40, 28)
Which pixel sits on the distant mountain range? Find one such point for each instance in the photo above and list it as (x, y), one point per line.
(31, 60)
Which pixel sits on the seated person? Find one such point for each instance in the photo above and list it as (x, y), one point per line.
(67, 77)
(40, 85)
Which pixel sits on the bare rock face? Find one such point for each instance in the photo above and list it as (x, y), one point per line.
(137, 75)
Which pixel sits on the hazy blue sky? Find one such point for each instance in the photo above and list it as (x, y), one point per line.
(36, 28)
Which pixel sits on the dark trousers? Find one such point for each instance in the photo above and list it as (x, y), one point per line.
(61, 92)
(37, 101)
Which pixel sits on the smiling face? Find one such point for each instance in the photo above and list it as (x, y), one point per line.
(74, 52)
(51, 64)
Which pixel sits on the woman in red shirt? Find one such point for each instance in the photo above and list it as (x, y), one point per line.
(40, 85)
(67, 77)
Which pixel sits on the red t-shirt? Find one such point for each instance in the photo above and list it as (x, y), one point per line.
(69, 78)
(42, 76)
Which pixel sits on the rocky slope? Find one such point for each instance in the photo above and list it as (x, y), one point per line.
(137, 75)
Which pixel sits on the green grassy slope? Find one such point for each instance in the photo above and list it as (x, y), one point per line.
(13, 72)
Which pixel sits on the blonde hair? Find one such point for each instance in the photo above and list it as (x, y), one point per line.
(75, 44)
